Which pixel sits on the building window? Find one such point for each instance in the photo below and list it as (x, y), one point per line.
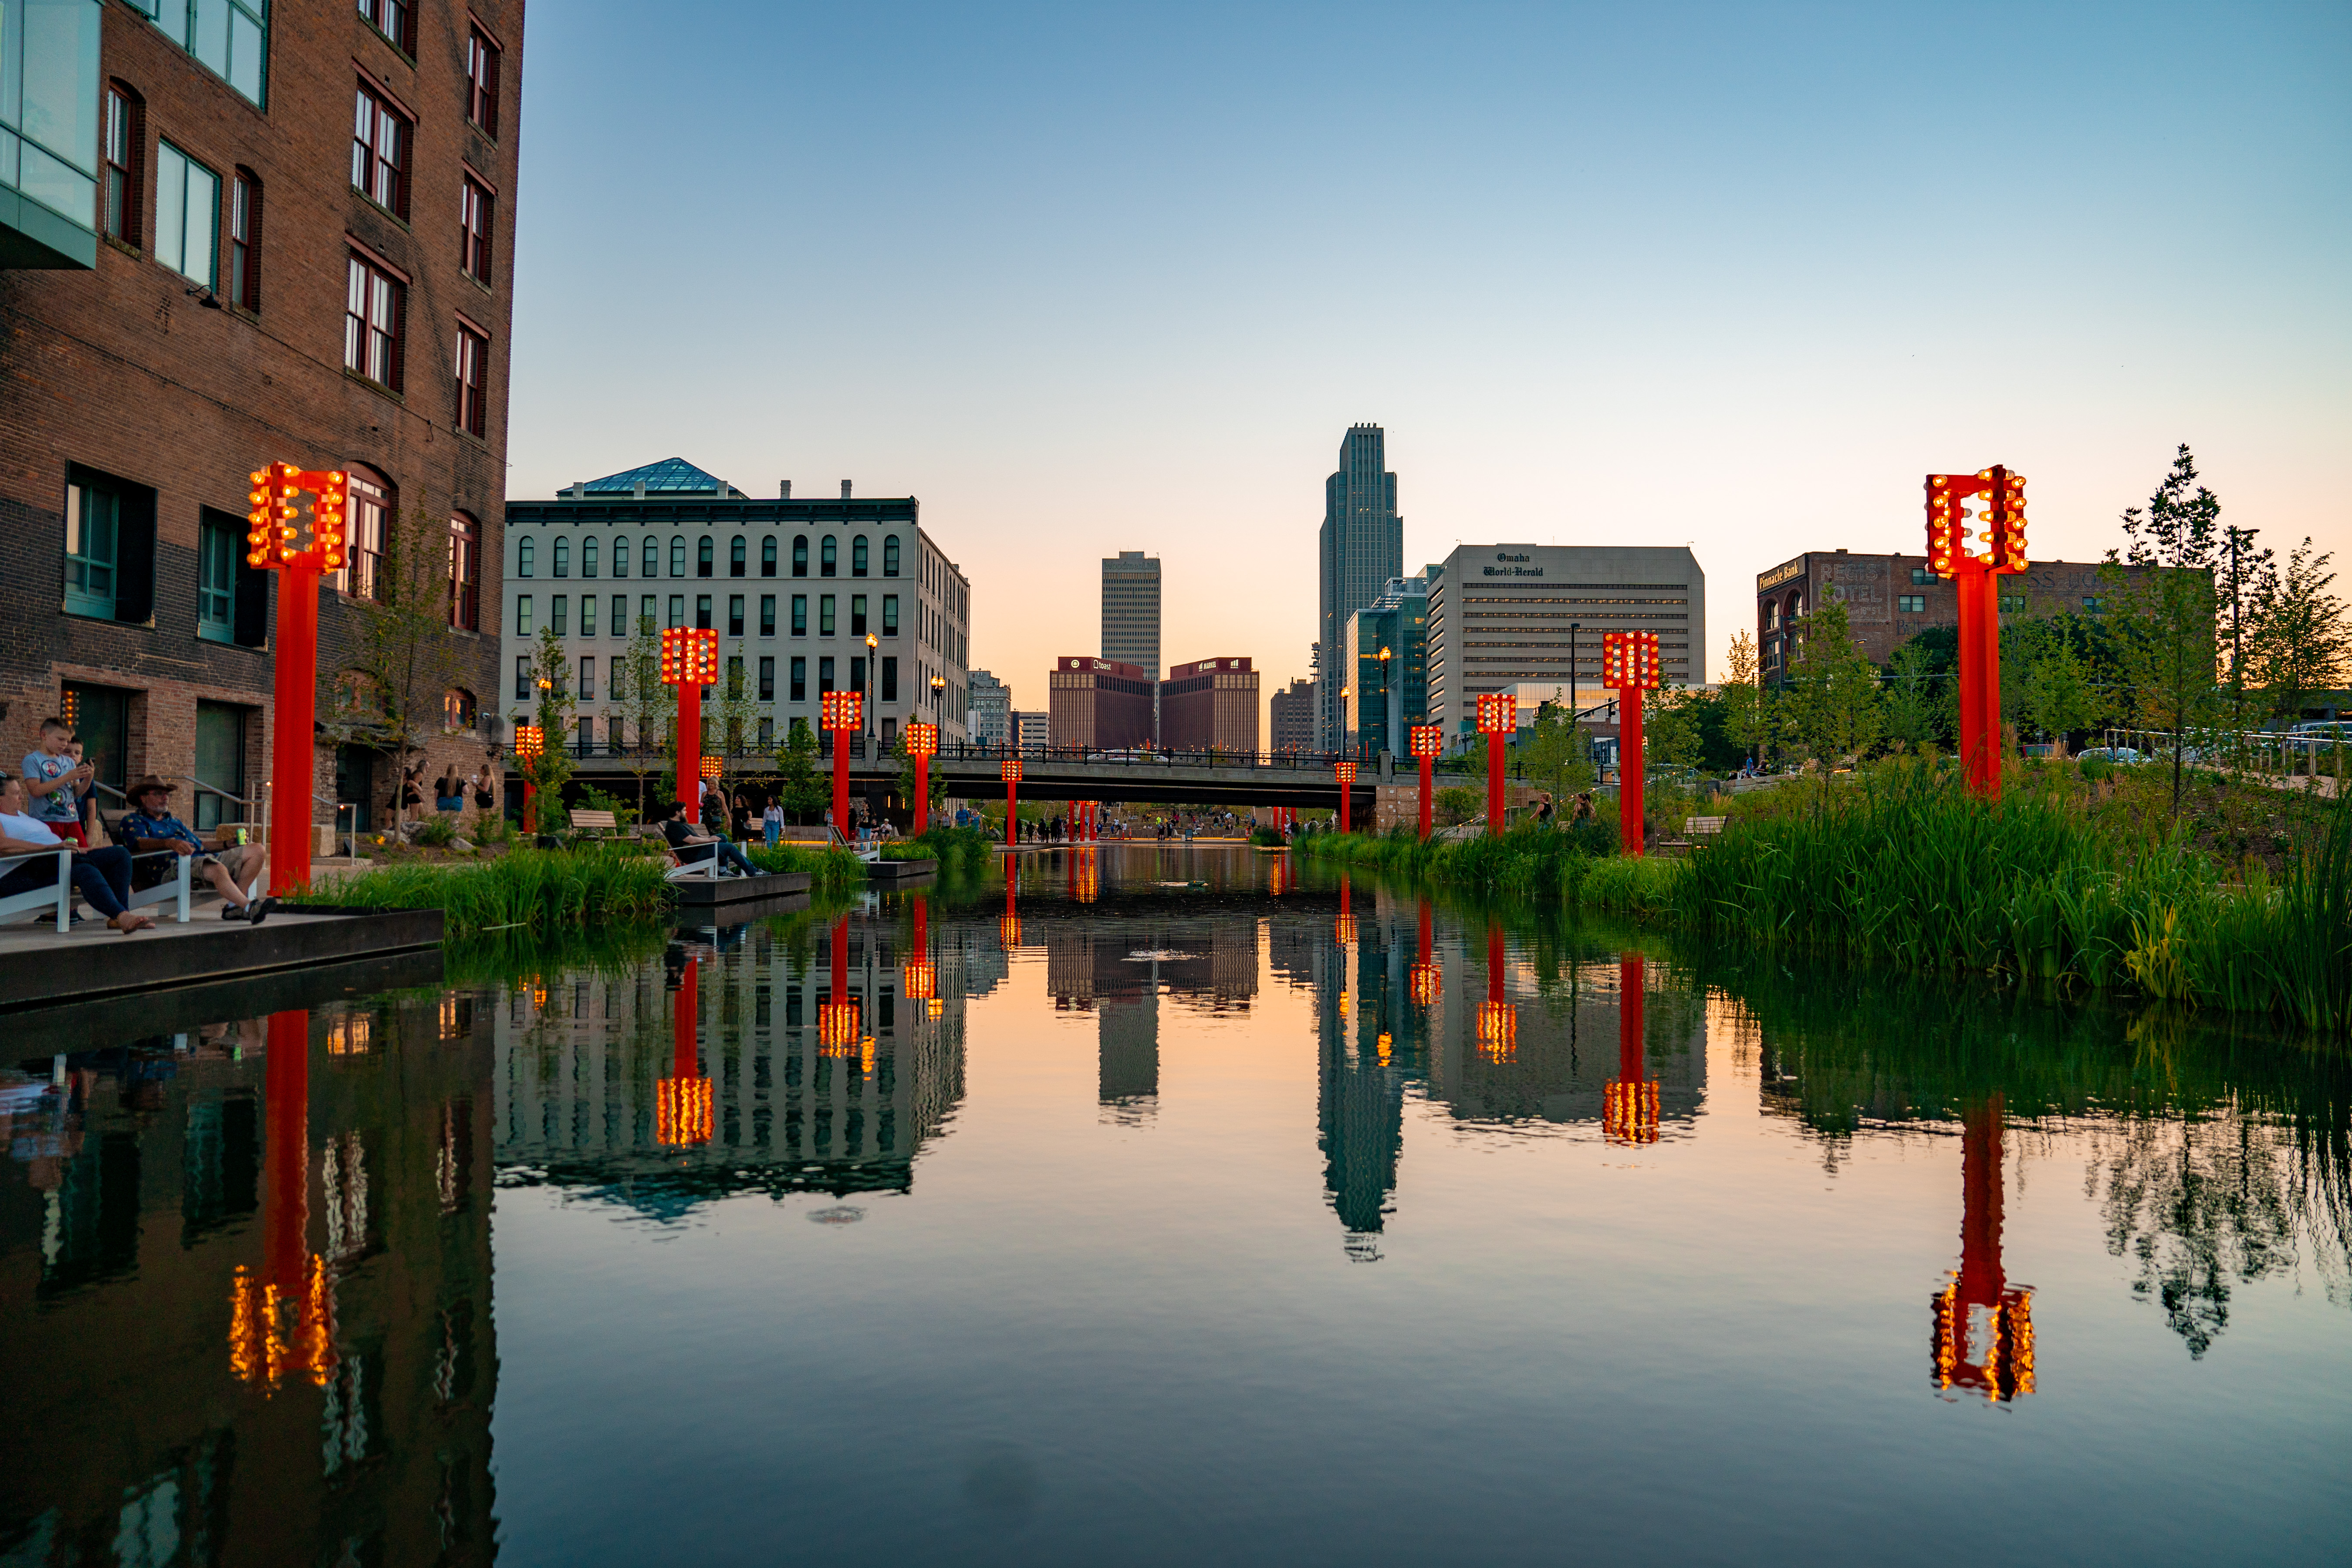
(677, 556)
(767, 744)
(93, 544)
(482, 81)
(587, 668)
(767, 680)
(735, 559)
(858, 614)
(677, 610)
(187, 215)
(588, 556)
(244, 241)
(651, 566)
(857, 675)
(800, 555)
(474, 229)
(702, 611)
(889, 679)
(522, 673)
(395, 20)
(734, 614)
(363, 524)
(229, 37)
(563, 557)
(857, 556)
(800, 615)
(373, 308)
(526, 555)
(1915, 603)
(126, 145)
(473, 364)
(825, 679)
(2013, 604)
(799, 680)
(890, 555)
(458, 709)
(587, 615)
(559, 615)
(522, 614)
(889, 615)
(620, 627)
(1921, 577)
(767, 614)
(380, 137)
(768, 556)
(702, 556)
(824, 615)
(646, 613)
(465, 573)
(587, 734)
(828, 557)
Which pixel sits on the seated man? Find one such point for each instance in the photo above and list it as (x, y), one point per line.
(694, 848)
(100, 876)
(231, 869)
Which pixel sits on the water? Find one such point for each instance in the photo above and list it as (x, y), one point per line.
(1194, 1225)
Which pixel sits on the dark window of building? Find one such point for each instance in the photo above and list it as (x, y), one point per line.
(244, 241)
(800, 615)
(458, 709)
(651, 566)
(734, 614)
(126, 148)
(857, 674)
(702, 611)
(473, 372)
(474, 206)
(373, 308)
(735, 561)
(588, 556)
(620, 628)
(522, 675)
(559, 616)
(767, 680)
(857, 556)
(110, 547)
(767, 614)
(482, 81)
(800, 555)
(825, 679)
(526, 556)
(678, 555)
(677, 610)
(890, 555)
(858, 614)
(587, 670)
(218, 546)
(824, 615)
(395, 20)
(2013, 604)
(889, 615)
(587, 615)
(522, 614)
(379, 139)
(1915, 603)
(889, 679)
(187, 216)
(768, 556)
(2091, 605)
(828, 557)
(1921, 577)
(800, 681)
(562, 556)
(371, 503)
(703, 557)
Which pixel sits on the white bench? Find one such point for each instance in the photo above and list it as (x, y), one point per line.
(59, 895)
(1701, 827)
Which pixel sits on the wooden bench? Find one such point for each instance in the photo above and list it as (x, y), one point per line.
(596, 822)
(1701, 827)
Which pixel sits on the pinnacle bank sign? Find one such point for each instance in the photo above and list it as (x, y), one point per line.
(1513, 566)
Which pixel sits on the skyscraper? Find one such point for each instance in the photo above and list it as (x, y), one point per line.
(1361, 548)
(1130, 610)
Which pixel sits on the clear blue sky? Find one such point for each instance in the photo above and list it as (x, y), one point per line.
(1090, 278)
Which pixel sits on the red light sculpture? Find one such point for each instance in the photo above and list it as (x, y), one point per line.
(690, 662)
(1346, 774)
(841, 712)
(1498, 718)
(1428, 739)
(837, 1032)
(1629, 665)
(528, 746)
(1346, 931)
(922, 745)
(2002, 507)
(274, 541)
(1009, 772)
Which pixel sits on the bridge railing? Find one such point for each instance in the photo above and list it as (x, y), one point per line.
(1156, 756)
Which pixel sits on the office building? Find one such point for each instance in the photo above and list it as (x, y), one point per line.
(1099, 702)
(1384, 696)
(991, 724)
(163, 341)
(1361, 546)
(1130, 610)
(1502, 614)
(1033, 730)
(1890, 599)
(1210, 704)
(802, 591)
(1290, 717)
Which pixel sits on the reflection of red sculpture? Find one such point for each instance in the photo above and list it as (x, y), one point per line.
(682, 1100)
(282, 1321)
(1008, 926)
(1425, 983)
(1629, 1106)
(837, 1032)
(1498, 1025)
(1948, 556)
(922, 982)
(1346, 931)
(1983, 1326)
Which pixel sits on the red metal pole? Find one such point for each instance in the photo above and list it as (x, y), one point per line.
(1495, 782)
(841, 782)
(689, 748)
(1989, 685)
(1971, 583)
(1347, 790)
(922, 818)
(1425, 763)
(296, 680)
(1011, 819)
(1494, 960)
(287, 1085)
(1425, 922)
(530, 805)
(841, 958)
(1632, 770)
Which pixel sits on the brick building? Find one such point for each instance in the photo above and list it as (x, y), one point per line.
(268, 284)
(1890, 599)
(1098, 702)
(1210, 705)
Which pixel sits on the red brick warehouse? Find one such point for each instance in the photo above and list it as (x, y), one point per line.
(295, 246)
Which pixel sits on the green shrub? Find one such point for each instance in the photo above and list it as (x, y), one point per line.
(530, 889)
(438, 831)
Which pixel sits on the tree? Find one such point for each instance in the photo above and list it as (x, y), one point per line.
(1747, 720)
(1911, 712)
(650, 703)
(404, 660)
(2165, 618)
(2055, 690)
(1834, 702)
(798, 788)
(2295, 636)
(1557, 755)
(550, 673)
(1672, 724)
(736, 710)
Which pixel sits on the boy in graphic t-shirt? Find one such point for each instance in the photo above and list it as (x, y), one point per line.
(54, 781)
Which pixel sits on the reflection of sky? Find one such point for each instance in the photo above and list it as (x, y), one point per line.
(1731, 276)
(1080, 1337)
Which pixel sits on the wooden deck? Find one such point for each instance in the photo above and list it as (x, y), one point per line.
(40, 969)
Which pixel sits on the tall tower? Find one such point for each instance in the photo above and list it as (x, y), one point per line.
(1361, 548)
(1131, 615)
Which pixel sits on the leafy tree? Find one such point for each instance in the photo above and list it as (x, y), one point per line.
(650, 704)
(550, 673)
(1747, 720)
(799, 789)
(737, 712)
(1912, 711)
(2297, 640)
(2055, 690)
(1672, 728)
(1557, 755)
(404, 660)
(2165, 618)
(1833, 700)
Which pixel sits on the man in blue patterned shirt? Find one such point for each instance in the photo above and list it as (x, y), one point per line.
(150, 826)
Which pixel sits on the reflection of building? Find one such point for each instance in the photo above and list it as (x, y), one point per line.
(1361, 1017)
(1210, 704)
(161, 1398)
(1099, 702)
(577, 1071)
(1130, 1055)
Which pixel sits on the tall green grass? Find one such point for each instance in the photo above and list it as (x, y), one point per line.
(535, 890)
(829, 870)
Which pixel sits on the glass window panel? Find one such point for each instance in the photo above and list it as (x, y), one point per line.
(170, 206)
(59, 62)
(588, 556)
(652, 558)
(209, 37)
(244, 54)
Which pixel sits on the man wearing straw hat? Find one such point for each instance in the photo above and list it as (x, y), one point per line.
(230, 867)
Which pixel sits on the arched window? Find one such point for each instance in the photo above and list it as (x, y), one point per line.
(651, 566)
(621, 556)
(464, 574)
(800, 555)
(857, 556)
(735, 557)
(372, 502)
(562, 556)
(588, 556)
(828, 557)
(458, 709)
(890, 555)
(526, 556)
(768, 556)
(702, 557)
(678, 555)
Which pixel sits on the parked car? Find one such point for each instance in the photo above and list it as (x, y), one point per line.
(2119, 754)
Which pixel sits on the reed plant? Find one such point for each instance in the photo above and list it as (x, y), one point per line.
(829, 870)
(534, 890)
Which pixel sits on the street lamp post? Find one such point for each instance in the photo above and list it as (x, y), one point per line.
(273, 542)
(690, 662)
(1427, 738)
(1574, 698)
(872, 642)
(1498, 717)
(1629, 666)
(841, 712)
(1388, 707)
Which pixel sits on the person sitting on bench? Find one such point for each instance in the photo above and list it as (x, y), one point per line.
(692, 847)
(100, 876)
(150, 826)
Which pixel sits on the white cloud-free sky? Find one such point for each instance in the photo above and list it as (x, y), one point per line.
(1099, 278)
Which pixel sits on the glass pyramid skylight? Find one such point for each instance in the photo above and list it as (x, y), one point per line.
(671, 476)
